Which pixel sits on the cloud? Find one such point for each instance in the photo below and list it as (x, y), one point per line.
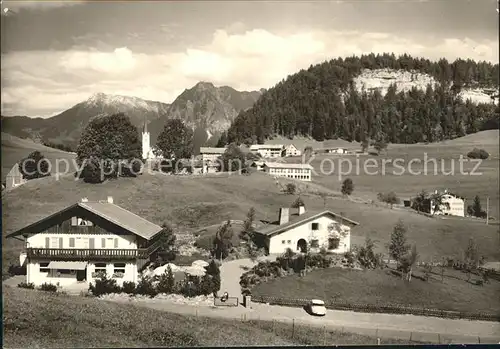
(42, 83)
(38, 5)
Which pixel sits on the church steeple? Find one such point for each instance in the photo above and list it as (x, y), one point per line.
(145, 126)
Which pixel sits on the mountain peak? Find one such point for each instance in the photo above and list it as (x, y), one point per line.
(204, 85)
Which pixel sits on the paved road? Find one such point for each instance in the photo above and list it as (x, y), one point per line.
(368, 323)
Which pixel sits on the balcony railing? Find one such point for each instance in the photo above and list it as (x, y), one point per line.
(89, 254)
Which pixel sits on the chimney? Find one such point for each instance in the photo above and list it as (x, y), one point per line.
(110, 199)
(85, 200)
(302, 209)
(284, 215)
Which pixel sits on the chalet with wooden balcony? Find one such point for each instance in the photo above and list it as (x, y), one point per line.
(77, 243)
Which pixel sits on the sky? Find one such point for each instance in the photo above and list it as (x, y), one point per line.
(57, 54)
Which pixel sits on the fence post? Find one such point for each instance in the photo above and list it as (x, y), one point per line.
(439, 338)
(411, 334)
(479, 339)
(293, 327)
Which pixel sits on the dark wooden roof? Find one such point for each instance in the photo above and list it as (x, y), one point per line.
(110, 212)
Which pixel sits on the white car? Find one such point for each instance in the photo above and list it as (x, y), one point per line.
(316, 307)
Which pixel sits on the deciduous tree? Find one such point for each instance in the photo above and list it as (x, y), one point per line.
(35, 165)
(175, 140)
(347, 186)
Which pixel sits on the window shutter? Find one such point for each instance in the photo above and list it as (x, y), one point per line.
(47, 242)
(73, 221)
(116, 243)
(103, 242)
(91, 243)
(71, 242)
(60, 242)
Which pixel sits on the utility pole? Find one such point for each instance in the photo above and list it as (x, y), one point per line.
(487, 209)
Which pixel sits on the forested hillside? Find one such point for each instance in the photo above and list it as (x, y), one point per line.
(324, 103)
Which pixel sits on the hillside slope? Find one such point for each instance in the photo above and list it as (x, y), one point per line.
(15, 149)
(403, 100)
(188, 203)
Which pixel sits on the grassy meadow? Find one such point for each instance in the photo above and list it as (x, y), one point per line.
(15, 149)
(382, 287)
(34, 319)
(190, 203)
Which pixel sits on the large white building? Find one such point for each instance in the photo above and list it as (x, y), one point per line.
(268, 150)
(455, 207)
(305, 231)
(75, 244)
(294, 171)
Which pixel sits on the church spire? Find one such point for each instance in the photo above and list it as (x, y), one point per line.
(145, 126)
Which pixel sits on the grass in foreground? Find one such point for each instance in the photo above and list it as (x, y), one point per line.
(381, 287)
(38, 319)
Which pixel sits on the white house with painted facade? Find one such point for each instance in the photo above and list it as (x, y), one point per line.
(291, 150)
(303, 231)
(77, 243)
(452, 205)
(268, 150)
(302, 172)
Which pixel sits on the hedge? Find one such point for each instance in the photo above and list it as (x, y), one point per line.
(390, 309)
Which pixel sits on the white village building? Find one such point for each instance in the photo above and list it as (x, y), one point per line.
(295, 171)
(210, 158)
(455, 207)
(14, 178)
(291, 150)
(73, 245)
(305, 231)
(268, 150)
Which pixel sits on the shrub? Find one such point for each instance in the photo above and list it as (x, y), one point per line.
(290, 189)
(347, 186)
(477, 153)
(103, 285)
(129, 287)
(30, 285)
(389, 198)
(48, 287)
(145, 287)
(367, 257)
(166, 282)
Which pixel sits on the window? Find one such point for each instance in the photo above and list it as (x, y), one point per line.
(65, 271)
(54, 242)
(99, 268)
(282, 241)
(72, 242)
(44, 267)
(119, 268)
(315, 243)
(289, 241)
(333, 243)
(315, 226)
